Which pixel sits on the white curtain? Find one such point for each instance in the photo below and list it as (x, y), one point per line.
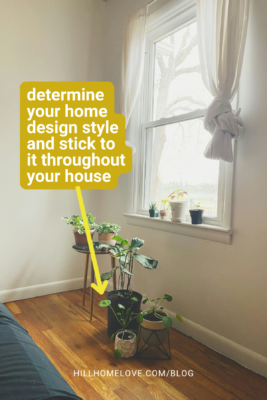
(133, 58)
(222, 29)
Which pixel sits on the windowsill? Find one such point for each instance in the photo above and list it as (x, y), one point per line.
(206, 232)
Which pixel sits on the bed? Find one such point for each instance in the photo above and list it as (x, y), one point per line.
(25, 371)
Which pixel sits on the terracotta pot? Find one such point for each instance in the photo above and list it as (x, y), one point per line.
(147, 327)
(126, 347)
(81, 240)
(106, 238)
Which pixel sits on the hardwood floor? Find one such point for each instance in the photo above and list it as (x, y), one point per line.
(60, 326)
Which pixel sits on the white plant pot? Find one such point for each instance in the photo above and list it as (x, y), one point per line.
(165, 214)
(179, 209)
(126, 347)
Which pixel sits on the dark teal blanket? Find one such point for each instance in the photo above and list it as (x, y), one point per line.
(25, 371)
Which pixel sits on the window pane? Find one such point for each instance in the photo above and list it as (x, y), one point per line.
(175, 160)
(178, 86)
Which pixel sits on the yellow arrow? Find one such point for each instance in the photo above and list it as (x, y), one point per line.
(100, 286)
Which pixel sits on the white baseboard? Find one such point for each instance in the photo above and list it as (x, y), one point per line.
(248, 358)
(40, 290)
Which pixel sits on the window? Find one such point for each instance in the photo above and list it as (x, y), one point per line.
(173, 137)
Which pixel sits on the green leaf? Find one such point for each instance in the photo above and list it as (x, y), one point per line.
(124, 243)
(125, 270)
(145, 301)
(145, 313)
(140, 318)
(179, 318)
(104, 303)
(107, 275)
(118, 238)
(136, 243)
(105, 246)
(167, 297)
(121, 306)
(147, 262)
(112, 336)
(117, 354)
(134, 299)
(167, 322)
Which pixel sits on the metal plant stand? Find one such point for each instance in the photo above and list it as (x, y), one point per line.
(142, 349)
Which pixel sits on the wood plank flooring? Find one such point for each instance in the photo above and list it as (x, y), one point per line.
(60, 326)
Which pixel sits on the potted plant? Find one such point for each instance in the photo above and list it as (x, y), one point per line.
(165, 212)
(125, 338)
(153, 212)
(178, 207)
(196, 214)
(78, 228)
(156, 319)
(126, 253)
(106, 232)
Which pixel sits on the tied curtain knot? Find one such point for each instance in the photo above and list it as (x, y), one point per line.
(223, 125)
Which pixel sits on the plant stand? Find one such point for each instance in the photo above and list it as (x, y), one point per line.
(85, 250)
(165, 350)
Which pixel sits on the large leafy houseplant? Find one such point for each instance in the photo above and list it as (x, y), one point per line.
(126, 253)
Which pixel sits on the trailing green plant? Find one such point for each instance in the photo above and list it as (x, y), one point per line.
(77, 222)
(177, 194)
(197, 206)
(153, 206)
(158, 311)
(126, 253)
(166, 204)
(124, 317)
(106, 227)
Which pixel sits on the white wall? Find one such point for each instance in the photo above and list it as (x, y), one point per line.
(40, 40)
(220, 287)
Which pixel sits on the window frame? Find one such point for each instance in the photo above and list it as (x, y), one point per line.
(159, 26)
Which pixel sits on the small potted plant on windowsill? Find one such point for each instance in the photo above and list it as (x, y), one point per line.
(165, 212)
(178, 207)
(106, 232)
(125, 339)
(79, 230)
(153, 212)
(196, 215)
(156, 319)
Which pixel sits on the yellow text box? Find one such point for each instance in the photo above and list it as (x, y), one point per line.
(70, 136)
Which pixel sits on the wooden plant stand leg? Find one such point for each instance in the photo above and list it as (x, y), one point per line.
(113, 264)
(92, 279)
(85, 276)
